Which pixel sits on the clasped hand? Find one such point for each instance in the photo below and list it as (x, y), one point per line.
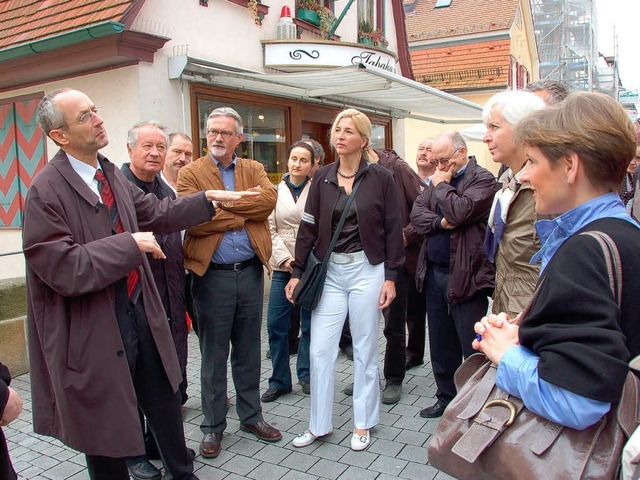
(498, 333)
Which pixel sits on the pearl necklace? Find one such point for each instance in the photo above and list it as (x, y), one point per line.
(346, 176)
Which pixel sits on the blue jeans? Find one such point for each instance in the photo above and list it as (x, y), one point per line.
(278, 329)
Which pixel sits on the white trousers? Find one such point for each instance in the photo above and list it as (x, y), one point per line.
(353, 285)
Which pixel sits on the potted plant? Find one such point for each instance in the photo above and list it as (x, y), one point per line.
(307, 12)
(313, 12)
(326, 19)
(252, 6)
(378, 38)
(364, 33)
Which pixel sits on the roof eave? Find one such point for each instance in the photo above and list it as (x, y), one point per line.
(459, 39)
(60, 40)
(79, 58)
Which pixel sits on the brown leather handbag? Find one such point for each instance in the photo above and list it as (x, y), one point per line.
(487, 434)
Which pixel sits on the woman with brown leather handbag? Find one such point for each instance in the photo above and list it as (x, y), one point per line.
(564, 401)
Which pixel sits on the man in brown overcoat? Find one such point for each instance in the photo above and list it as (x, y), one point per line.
(99, 341)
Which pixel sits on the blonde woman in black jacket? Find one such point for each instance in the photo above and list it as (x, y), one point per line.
(361, 273)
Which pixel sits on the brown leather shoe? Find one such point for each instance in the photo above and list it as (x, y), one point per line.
(210, 446)
(263, 431)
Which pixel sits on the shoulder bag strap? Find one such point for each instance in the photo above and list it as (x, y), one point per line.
(612, 261)
(343, 218)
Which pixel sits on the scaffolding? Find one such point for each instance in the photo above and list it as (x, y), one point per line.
(567, 42)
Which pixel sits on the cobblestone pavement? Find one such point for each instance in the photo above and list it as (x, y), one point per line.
(398, 448)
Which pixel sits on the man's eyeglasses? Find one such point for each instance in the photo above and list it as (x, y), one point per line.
(225, 135)
(86, 116)
(444, 161)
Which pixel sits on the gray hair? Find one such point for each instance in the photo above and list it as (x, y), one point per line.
(557, 90)
(513, 105)
(227, 112)
(132, 135)
(178, 135)
(47, 114)
(318, 151)
(456, 139)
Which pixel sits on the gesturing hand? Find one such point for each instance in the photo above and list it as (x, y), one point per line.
(147, 243)
(228, 195)
(12, 409)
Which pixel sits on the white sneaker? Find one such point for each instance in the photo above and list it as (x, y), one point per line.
(304, 439)
(360, 442)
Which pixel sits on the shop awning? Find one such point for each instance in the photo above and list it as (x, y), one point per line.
(360, 85)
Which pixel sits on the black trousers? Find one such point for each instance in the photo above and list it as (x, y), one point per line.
(450, 330)
(394, 331)
(228, 304)
(157, 400)
(188, 300)
(416, 322)
(294, 329)
(6, 468)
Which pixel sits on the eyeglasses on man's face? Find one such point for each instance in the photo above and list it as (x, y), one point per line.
(88, 115)
(445, 160)
(226, 135)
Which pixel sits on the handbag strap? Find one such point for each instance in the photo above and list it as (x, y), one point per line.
(612, 261)
(343, 219)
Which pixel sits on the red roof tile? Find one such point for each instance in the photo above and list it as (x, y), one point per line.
(462, 17)
(477, 65)
(23, 21)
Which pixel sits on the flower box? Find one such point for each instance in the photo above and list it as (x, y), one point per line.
(309, 16)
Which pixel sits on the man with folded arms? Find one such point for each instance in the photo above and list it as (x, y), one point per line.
(227, 256)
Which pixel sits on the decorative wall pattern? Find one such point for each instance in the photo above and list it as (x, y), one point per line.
(22, 155)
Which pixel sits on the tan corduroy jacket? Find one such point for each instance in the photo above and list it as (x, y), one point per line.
(251, 213)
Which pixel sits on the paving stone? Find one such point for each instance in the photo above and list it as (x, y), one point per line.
(414, 471)
(44, 462)
(412, 453)
(331, 451)
(410, 423)
(31, 472)
(398, 448)
(272, 454)
(292, 475)
(62, 471)
(300, 461)
(359, 459)
(357, 473)
(386, 431)
(268, 471)
(208, 472)
(412, 438)
(444, 476)
(392, 466)
(240, 465)
(246, 446)
(82, 475)
(327, 469)
(385, 447)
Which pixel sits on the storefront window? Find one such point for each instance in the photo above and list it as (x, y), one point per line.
(377, 137)
(264, 135)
